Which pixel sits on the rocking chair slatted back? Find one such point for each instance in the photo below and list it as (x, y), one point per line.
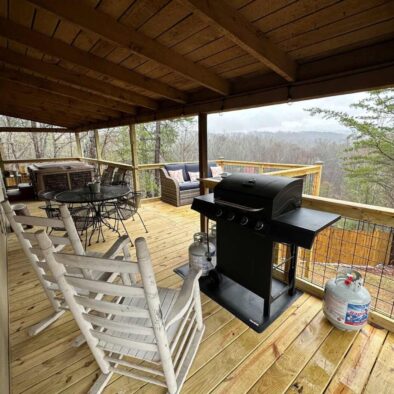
(99, 263)
(127, 325)
(38, 221)
(34, 254)
(55, 239)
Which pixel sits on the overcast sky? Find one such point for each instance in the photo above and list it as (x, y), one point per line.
(284, 117)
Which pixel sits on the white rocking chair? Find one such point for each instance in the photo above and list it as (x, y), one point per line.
(39, 265)
(143, 332)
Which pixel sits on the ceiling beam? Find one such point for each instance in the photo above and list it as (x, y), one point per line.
(35, 130)
(77, 105)
(75, 79)
(18, 112)
(238, 29)
(65, 90)
(61, 50)
(48, 109)
(80, 13)
(330, 85)
(26, 94)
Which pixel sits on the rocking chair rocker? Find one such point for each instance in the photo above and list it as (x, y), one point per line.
(145, 332)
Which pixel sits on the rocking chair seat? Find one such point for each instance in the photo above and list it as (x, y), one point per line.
(168, 298)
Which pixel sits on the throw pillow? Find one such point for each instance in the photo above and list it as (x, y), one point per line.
(193, 176)
(177, 175)
(216, 171)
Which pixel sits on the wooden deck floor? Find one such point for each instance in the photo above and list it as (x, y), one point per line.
(299, 353)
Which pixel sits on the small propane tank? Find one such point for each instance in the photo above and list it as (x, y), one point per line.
(346, 301)
(200, 254)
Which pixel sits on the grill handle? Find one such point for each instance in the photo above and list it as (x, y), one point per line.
(238, 206)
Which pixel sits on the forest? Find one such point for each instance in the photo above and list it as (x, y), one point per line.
(358, 166)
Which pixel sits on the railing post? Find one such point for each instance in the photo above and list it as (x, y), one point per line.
(220, 162)
(315, 192)
(134, 157)
(78, 142)
(317, 179)
(98, 151)
(203, 160)
(2, 167)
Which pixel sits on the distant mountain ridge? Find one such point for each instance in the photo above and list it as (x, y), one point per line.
(308, 136)
(299, 137)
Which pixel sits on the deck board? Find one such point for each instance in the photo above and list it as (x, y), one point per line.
(299, 353)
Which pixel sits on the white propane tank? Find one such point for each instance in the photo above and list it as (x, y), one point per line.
(200, 254)
(346, 301)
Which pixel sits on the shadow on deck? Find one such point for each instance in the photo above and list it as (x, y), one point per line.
(299, 353)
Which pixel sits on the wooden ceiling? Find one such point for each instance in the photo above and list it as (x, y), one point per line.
(85, 64)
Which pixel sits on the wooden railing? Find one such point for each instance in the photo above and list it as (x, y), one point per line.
(42, 160)
(311, 173)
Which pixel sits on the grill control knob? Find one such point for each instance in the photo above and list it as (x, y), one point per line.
(231, 216)
(244, 221)
(219, 213)
(259, 225)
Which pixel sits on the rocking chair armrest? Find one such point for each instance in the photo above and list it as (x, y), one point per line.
(185, 297)
(117, 247)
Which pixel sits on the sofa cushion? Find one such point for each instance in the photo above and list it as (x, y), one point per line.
(216, 171)
(194, 167)
(176, 166)
(177, 175)
(194, 176)
(211, 164)
(189, 185)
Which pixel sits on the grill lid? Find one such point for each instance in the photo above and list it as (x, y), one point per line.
(271, 196)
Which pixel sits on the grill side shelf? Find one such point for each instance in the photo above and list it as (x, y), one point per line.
(301, 226)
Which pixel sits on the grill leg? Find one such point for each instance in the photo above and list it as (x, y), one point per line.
(267, 307)
(292, 269)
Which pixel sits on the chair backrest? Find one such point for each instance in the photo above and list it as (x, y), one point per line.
(34, 254)
(113, 315)
(119, 176)
(107, 175)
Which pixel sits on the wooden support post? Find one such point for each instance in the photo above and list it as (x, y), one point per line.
(98, 150)
(134, 157)
(203, 160)
(79, 147)
(317, 179)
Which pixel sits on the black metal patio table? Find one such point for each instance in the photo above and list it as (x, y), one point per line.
(96, 202)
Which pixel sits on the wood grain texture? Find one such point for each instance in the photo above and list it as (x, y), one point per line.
(99, 23)
(58, 49)
(47, 364)
(379, 380)
(206, 56)
(234, 25)
(4, 304)
(353, 373)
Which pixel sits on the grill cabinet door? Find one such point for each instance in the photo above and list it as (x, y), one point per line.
(245, 257)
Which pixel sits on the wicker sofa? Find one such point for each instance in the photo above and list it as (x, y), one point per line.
(178, 194)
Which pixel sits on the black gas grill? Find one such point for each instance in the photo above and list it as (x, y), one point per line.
(254, 213)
